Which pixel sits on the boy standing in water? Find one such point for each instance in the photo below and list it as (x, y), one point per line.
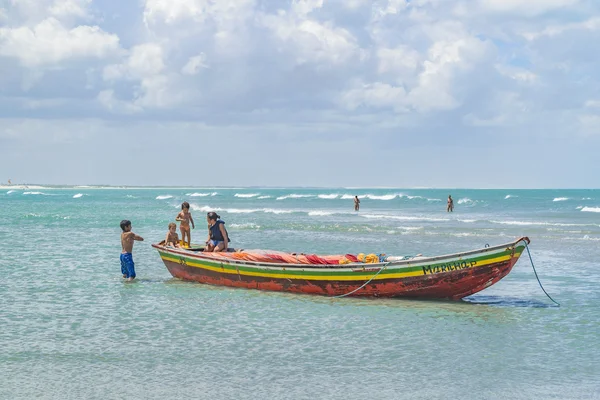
(127, 238)
(185, 217)
(450, 206)
(356, 203)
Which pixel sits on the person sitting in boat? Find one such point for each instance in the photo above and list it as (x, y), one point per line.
(218, 239)
(172, 238)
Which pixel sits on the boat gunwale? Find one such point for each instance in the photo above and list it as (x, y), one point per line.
(400, 263)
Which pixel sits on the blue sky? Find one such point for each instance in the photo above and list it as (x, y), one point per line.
(427, 93)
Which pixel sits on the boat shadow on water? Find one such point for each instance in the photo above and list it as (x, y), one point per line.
(504, 301)
(465, 305)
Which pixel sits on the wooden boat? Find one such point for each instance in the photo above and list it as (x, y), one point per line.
(451, 276)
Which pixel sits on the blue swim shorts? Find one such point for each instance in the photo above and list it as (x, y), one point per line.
(127, 265)
(215, 242)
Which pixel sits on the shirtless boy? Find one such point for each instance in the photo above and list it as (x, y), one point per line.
(172, 238)
(185, 217)
(127, 238)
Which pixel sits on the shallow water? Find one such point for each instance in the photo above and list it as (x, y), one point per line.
(71, 328)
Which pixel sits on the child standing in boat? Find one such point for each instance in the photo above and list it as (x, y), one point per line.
(185, 218)
(218, 239)
(172, 238)
(127, 239)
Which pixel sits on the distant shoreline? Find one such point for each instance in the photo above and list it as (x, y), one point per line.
(96, 187)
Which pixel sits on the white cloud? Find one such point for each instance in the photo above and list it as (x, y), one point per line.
(192, 67)
(400, 60)
(392, 7)
(377, 95)
(68, 8)
(144, 60)
(50, 43)
(592, 24)
(311, 41)
(592, 104)
(304, 7)
(517, 74)
(109, 101)
(525, 7)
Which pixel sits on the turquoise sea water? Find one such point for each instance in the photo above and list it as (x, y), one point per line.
(70, 328)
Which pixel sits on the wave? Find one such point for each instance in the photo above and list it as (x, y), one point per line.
(129, 196)
(385, 197)
(249, 225)
(201, 194)
(402, 217)
(164, 197)
(587, 237)
(78, 195)
(264, 197)
(586, 198)
(196, 207)
(295, 196)
(591, 209)
(246, 195)
(510, 196)
(39, 194)
(328, 196)
(277, 211)
(531, 223)
(561, 199)
(465, 200)
(11, 191)
(320, 213)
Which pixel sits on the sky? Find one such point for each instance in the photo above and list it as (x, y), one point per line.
(393, 93)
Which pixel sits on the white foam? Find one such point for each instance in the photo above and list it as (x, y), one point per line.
(35, 193)
(201, 194)
(196, 207)
(295, 196)
(131, 196)
(11, 191)
(561, 199)
(383, 197)
(587, 237)
(277, 211)
(264, 197)
(510, 196)
(402, 217)
(320, 213)
(249, 225)
(586, 198)
(241, 210)
(528, 223)
(164, 197)
(591, 209)
(465, 200)
(328, 196)
(246, 195)
(78, 195)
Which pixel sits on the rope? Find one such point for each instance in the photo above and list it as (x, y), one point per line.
(536, 275)
(364, 284)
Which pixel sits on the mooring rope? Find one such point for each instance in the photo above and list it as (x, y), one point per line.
(536, 275)
(364, 284)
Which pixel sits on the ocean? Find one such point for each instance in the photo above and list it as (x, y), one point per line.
(70, 328)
